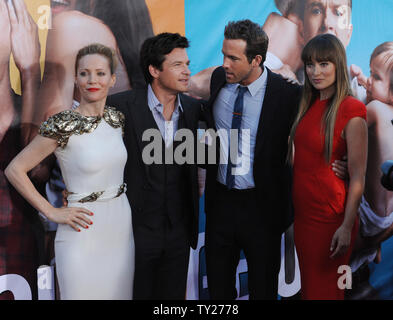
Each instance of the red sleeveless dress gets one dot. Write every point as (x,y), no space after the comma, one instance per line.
(319,198)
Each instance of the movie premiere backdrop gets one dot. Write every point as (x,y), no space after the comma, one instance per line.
(64,26)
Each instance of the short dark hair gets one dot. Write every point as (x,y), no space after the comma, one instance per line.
(251,32)
(154,49)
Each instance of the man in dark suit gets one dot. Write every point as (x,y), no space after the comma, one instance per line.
(163,196)
(248,210)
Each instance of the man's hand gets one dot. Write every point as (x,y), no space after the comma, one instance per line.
(340,168)
(287,74)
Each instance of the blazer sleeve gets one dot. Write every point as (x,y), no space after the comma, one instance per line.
(218,79)
(119,101)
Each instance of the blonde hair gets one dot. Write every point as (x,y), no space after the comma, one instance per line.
(98,48)
(386,49)
(325,47)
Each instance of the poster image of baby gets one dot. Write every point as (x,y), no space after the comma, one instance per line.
(376,208)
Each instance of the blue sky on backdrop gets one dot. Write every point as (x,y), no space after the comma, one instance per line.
(206,19)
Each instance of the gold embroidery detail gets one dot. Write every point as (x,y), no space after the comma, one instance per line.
(122,189)
(95,195)
(92,197)
(114,118)
(66,123)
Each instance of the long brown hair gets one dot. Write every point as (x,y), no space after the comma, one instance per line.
(325,47)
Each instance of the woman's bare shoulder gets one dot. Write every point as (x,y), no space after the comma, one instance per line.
(74,19)
(81,27)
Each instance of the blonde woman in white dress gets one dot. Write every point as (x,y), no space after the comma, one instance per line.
(94,243)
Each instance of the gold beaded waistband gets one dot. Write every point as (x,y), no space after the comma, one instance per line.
(109,193)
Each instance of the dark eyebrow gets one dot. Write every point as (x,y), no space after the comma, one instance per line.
(179,61)
(229,56)
(86,69)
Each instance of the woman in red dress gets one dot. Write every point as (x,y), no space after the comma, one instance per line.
(329,125)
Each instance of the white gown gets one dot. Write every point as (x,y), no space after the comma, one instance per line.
(98,262)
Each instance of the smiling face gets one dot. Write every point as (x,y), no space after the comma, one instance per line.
(378,84)
(58,6)
(322,75)
(327,16)
(174,74)
(94,77)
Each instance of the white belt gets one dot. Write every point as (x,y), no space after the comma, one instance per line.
(109,193)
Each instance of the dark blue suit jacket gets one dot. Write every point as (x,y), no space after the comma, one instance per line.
(272,175)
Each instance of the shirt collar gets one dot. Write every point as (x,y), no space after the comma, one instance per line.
(154,103)
(253,87)
(258,84)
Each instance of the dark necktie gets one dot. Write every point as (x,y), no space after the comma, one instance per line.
(236,122)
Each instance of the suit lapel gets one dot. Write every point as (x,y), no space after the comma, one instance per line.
(267,114)
(217,82)
(141,120)
(187,115)
(189,122)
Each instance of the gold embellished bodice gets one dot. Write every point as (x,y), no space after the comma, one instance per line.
(66,123)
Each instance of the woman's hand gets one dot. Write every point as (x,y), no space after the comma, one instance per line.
(340,242)
(4,36)
(73,216)
(24,36)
